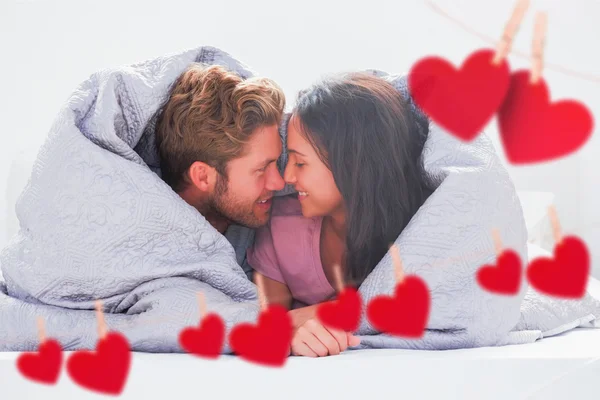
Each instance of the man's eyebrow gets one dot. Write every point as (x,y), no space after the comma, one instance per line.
(296,152)
(267,162)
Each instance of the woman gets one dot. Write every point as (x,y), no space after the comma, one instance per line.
(354,148)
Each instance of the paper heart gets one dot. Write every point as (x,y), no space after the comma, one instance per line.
(342,313)
(206,340)
(43,366)
(534,130)
(268,342)
(503,278)
(460,100)
(104,370)
(566,274)
(404,314)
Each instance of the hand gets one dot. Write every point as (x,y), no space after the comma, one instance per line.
(313,339)
(300,315)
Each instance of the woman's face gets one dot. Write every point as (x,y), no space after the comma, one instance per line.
(317,191)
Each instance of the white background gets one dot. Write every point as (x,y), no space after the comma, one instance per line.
(50,46)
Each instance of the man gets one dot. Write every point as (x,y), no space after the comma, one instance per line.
(218,142)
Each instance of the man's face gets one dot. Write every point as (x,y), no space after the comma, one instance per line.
(251,179)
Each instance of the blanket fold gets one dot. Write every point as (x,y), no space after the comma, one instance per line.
(97,222)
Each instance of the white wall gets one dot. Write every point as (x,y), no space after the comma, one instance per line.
(50,46)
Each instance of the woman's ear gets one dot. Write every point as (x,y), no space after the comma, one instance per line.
(202,176)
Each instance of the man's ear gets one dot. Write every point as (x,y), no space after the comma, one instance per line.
(202,176)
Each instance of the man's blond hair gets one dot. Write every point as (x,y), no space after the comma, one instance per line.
(209,117)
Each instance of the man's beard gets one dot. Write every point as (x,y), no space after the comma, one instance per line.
(225,205)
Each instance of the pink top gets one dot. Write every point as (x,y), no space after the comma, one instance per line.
(287,250)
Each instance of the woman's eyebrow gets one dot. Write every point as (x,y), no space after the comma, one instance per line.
(296,152)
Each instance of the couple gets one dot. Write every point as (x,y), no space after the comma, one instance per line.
(353,156)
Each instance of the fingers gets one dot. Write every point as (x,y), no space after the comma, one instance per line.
(340,336)
(323,336)
(313,339)
(303,335)
(352,340)
(299,348)
(316,344)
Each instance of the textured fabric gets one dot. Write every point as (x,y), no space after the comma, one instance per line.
(97,222)
(288,250)
(545,316)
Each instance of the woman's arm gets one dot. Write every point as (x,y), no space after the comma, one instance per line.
(276,292)
(300,315)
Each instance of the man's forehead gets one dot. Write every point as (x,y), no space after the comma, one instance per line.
(264,147)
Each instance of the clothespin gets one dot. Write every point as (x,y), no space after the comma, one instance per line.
(555,224)
(539,35)
(397,264)
(497,241)
(41,330)
(260,284)
(510,30)
(201,305)
(102,330)
(339,280)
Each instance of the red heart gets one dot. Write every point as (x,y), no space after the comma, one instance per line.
(206,340)
(404,314)
(564,276)
(104,370)
(266,343)
(342,313)
(533,130)
(43,366)
(504,278)
(464,100)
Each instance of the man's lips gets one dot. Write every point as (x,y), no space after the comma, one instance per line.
(268,199)
(266,204)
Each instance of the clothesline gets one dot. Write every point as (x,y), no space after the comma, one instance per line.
(494,42)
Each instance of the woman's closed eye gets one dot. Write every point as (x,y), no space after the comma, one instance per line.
(299,165)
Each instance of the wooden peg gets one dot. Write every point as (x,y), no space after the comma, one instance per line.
(260,284)
(201,305)
(497,241)
(555,224)
(41,329)
(397,263)
(100,318)
(539,35)
(339,280)
(510,30)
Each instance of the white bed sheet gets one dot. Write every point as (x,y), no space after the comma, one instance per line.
(562,367)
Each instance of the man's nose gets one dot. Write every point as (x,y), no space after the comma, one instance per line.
(275,181)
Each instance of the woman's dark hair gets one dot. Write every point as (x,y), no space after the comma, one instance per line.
(366,133)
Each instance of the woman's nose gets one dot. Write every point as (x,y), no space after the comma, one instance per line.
(288,175)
